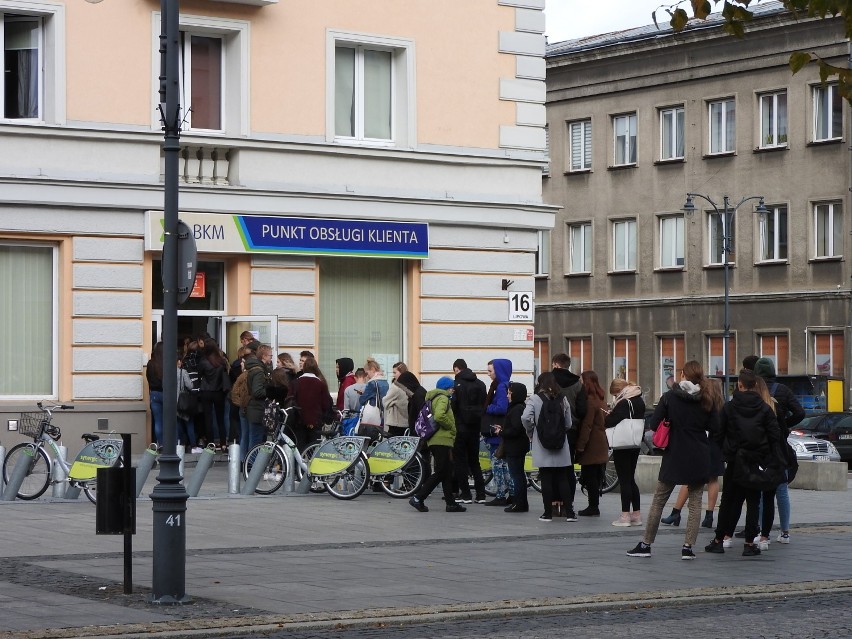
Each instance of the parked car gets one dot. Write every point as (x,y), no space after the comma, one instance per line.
(809,448)
(835,428)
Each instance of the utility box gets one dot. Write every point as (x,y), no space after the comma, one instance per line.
(115,512)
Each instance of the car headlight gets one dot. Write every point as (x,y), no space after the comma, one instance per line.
(832,450)
(797,446)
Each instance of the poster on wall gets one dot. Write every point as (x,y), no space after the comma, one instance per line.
(619,367)
(667,370)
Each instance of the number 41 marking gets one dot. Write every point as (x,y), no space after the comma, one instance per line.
(173,520)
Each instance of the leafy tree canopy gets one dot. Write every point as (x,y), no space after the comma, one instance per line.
(736,14)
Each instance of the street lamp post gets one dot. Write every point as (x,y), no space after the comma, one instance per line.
(727,215)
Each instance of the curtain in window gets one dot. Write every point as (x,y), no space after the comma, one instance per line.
(21,68)
(625,245)
(26,323)
(344,91)
(730,125)
(377,94)
(581,255)
(828,113)
(206,83)
(671,242)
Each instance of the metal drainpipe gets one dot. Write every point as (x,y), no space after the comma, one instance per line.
(848,336)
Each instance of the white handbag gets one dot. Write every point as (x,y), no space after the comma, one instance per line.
(627,433)
(371,414)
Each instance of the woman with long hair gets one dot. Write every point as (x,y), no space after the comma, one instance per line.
(553,464)
(154,376)
(314,402)
(592,445)
(692,409)
(214,384)
(628,404)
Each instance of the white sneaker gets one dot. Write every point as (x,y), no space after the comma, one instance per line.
(727,543)
(196,451)
(763,544)
(623,521)
(784,538)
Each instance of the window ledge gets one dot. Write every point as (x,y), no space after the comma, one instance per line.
(576,172)
(670,161)
(827,142)
(784,262)
(542,276)
(826,258)
(619,167)
(770,149)
(726,154)
(582,274)
(627,272)
(714,267)
(670,269)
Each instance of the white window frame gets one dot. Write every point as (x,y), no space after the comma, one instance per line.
(584,127)
(672,249)
(765,252)
(815,335)
(675,114)
(830,91)
(628,149)
(715,225)
(580,247)
(235,70)
(834,214)
(403,94)
(775,120)
(542,254)
(675,340)
(627,228)
(185,90)
(51,59)
(724,124)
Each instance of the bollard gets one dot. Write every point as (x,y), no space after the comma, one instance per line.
(146,463)
(60,477)
(2,462)
(261,461)
(234,469)
(205,461)
(180,451)
(304,486)
(19,473)
(290,479)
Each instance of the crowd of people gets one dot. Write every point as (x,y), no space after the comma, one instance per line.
(563,422)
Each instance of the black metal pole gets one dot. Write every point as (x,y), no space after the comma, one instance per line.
(726,332)
(169,495)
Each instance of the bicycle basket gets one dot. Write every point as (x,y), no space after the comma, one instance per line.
(29,424)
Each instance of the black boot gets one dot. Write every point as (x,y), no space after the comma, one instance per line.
(673,519)
(708,519)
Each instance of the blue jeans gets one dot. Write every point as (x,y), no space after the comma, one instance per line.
(503,486)
(519,479)
(186,432)
(157,415)
(250,435)
(767,517)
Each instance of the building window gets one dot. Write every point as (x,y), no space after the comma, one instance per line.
(624,131)
(716,250)
(580,352)
(671,242)
(723,126)
(828,113)
(828,230)
(773,234)
(672,351)
(28,276)
(22,89)
(624,358)
(580,145)
(624,245)
(776,346)
(716,355)
(363,93)
(671,133)
(773,120)
(828,354)
(542,254)
(581,248)
(202,60)
(541,360)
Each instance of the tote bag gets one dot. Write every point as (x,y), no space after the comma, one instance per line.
(627,433)
(371,414)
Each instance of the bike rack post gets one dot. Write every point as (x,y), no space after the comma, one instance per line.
(234,469)
(180,451)
(257,469)
(290,479)
(146,463)
(205,461)
(19,473)
(2,459)
(304,486)
(60,477)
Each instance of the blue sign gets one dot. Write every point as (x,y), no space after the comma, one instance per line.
(322,236)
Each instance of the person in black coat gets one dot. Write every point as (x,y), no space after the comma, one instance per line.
(748,425)
(415,403)
(628,403)
(692,410)
(516,444)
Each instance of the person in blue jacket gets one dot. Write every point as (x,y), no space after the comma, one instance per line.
(496,407)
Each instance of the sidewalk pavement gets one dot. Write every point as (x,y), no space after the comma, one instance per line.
(273,562)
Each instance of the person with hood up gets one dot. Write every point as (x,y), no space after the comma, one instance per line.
(441,446)
(516,444)
(345,369)
(496,407)
(692,409)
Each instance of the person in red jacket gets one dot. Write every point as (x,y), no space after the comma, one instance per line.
(314,402)
(346,377)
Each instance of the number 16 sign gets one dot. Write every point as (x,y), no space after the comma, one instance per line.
(520,306)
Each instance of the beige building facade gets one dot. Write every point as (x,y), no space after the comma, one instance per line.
(640,118)
(336,116)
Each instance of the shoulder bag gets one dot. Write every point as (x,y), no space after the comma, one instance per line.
(371,414)
(627,433)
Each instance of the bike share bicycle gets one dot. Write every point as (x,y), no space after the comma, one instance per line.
(81,473)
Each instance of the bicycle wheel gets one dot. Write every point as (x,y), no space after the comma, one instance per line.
(610,481)
(307,454)
(353,482)
(37,478)
(406,481)
(488,478)
(90,489)
(273,475)
(534,480)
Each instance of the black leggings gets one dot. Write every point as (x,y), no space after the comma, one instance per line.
(625,461)
(554,480)
(443,474)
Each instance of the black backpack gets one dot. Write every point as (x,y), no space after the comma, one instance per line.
(550,425)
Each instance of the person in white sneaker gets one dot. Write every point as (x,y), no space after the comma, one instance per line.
(628,402)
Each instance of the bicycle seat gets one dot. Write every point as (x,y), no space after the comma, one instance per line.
(90,437)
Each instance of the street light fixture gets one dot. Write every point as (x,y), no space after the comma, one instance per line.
(727,215)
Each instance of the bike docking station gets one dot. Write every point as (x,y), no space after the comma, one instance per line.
(146,463)
(115,511)
(19,473)
(205,462)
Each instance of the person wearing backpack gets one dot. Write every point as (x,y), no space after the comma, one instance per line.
(468,403)
(592,445)
(553,461)
(573,390)
(516,444)
(441,445)
(258,366)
